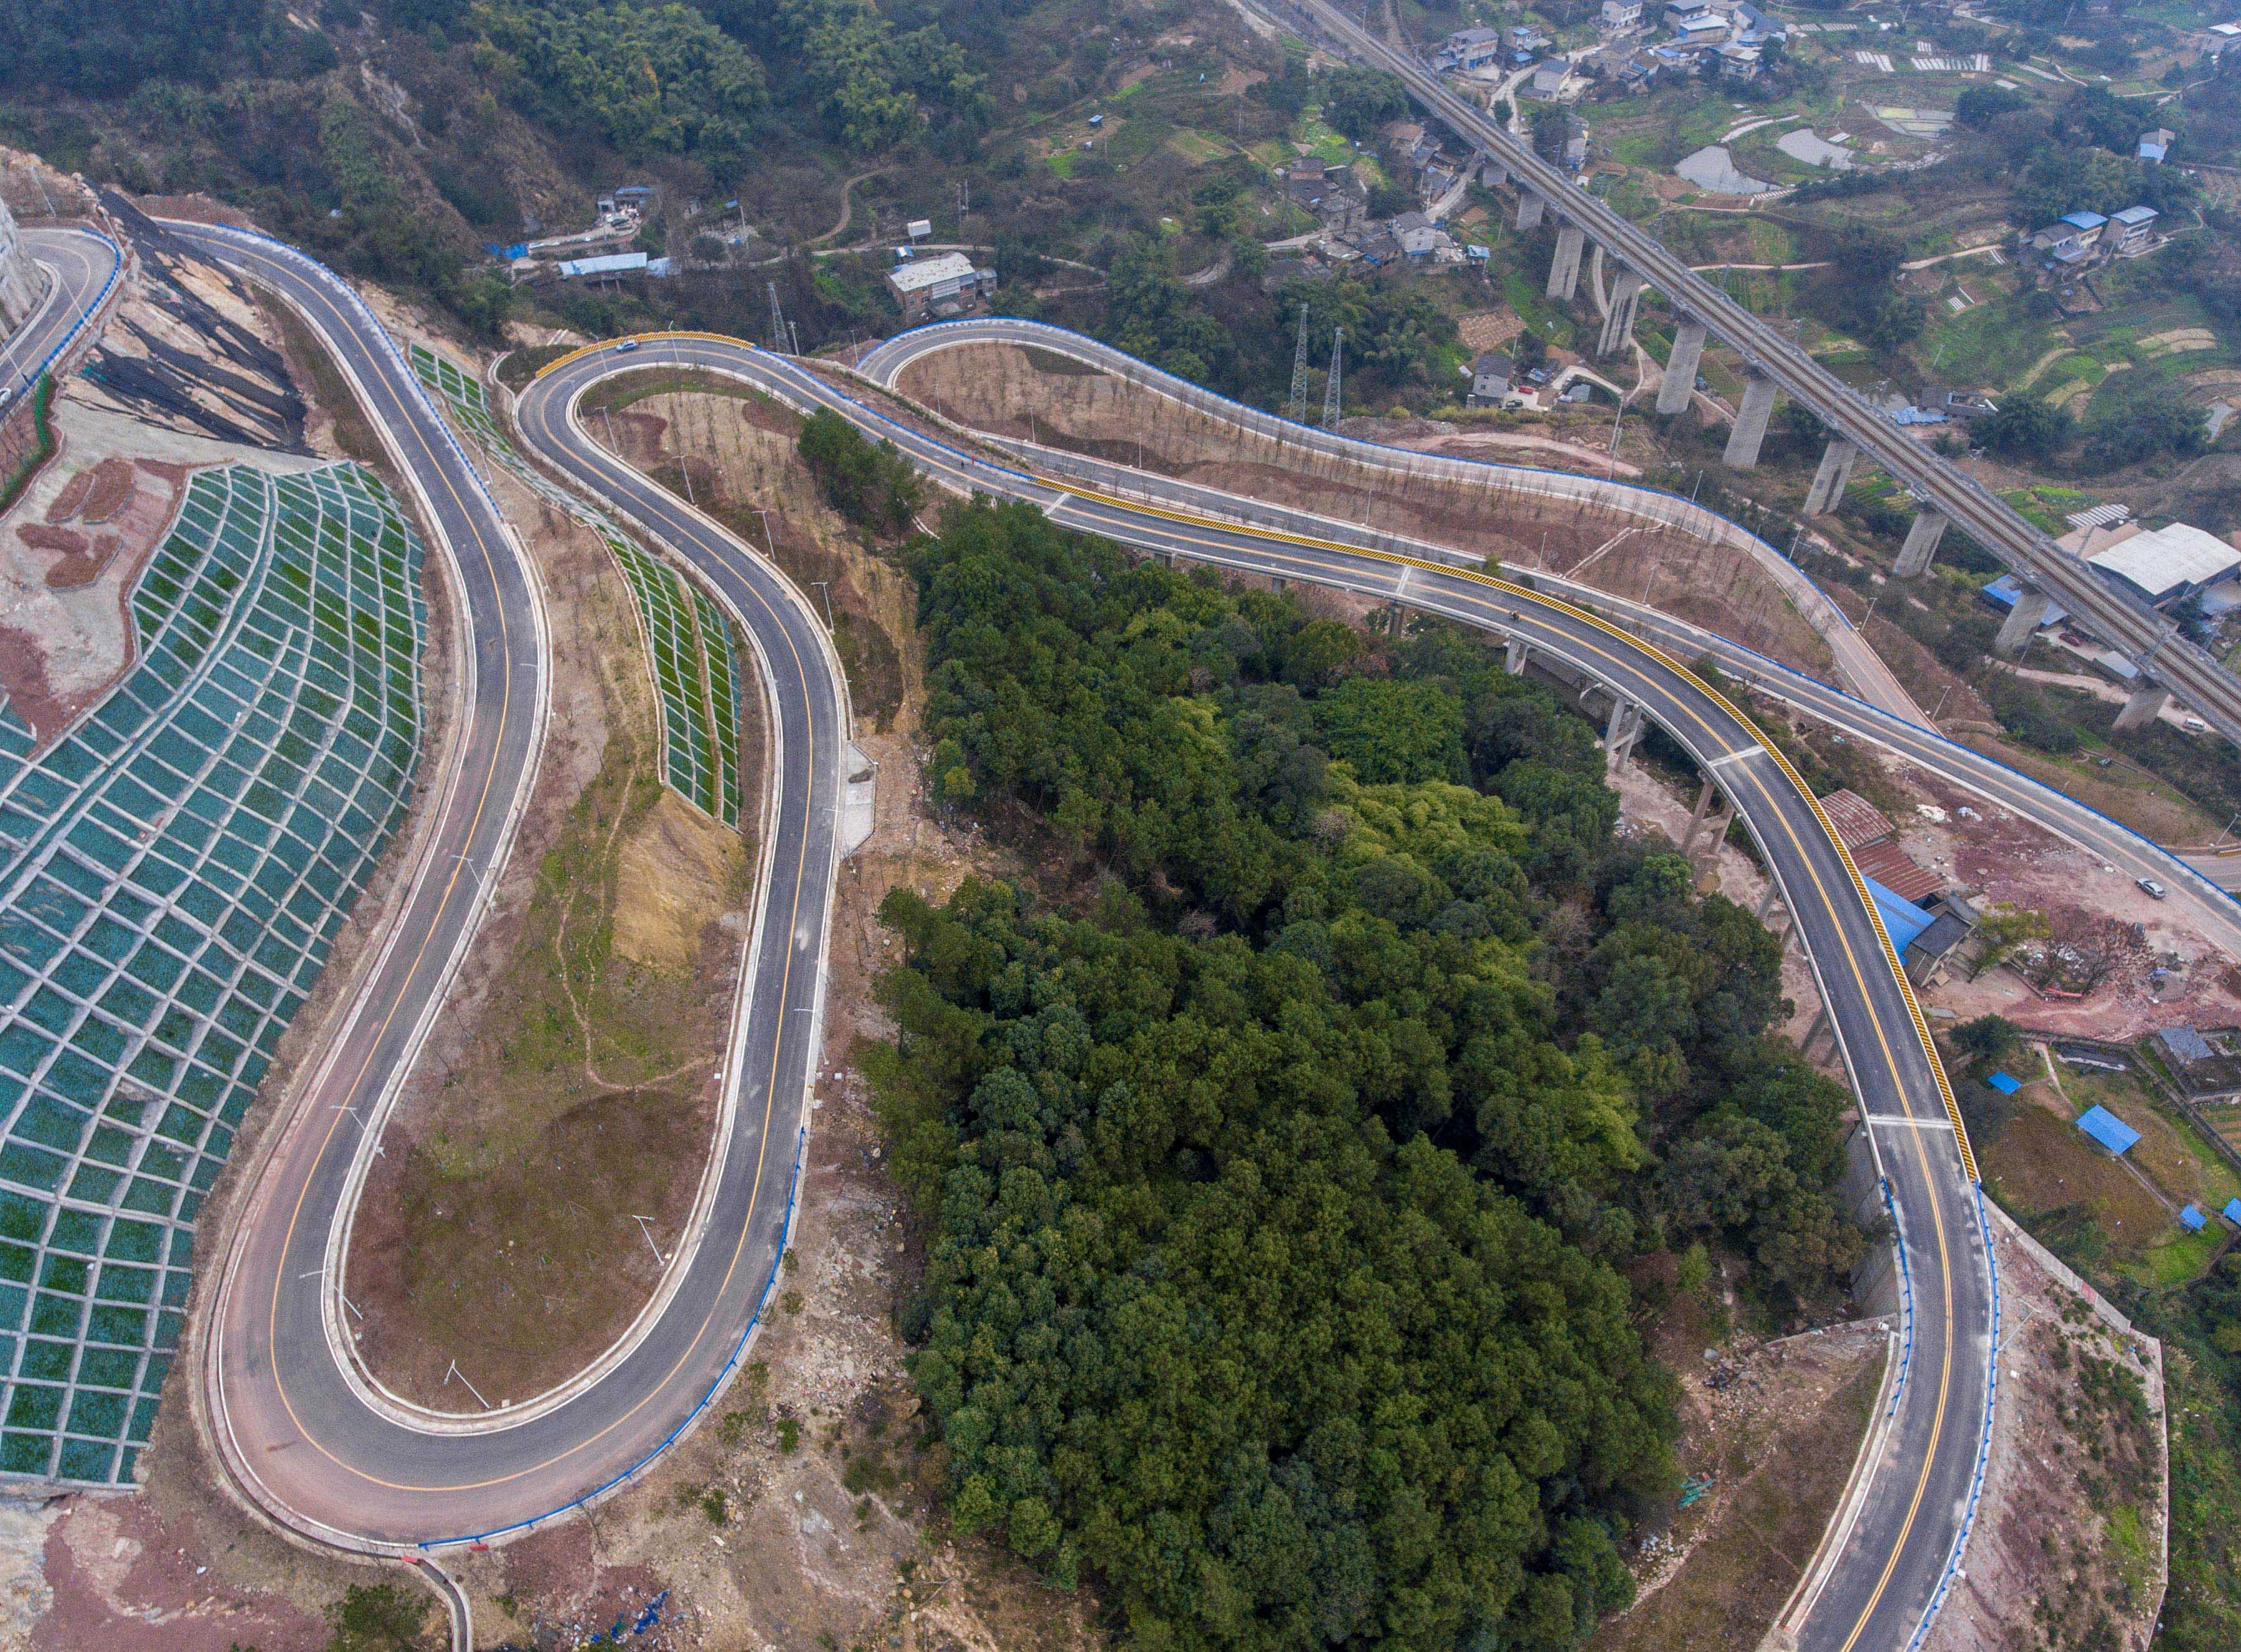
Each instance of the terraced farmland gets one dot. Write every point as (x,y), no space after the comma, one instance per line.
(173,871)
(688,641)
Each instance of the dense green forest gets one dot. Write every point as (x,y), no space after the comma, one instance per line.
(1284,1149)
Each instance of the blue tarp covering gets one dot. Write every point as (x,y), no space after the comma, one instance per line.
(2003,591)
(1902,919)
(2003,1083)
(2232,1212)
(2108,1129)
(2192,1219)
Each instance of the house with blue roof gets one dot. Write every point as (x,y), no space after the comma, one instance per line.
(2131,228)
(2072,242)
(2104,1127)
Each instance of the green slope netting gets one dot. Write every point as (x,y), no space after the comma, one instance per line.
(688,641)
(172,873)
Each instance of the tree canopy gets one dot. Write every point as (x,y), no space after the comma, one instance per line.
(1278,1178)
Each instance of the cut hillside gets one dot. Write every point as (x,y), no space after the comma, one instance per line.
(1035,395)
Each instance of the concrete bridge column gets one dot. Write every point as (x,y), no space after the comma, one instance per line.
(2146,705)
(1528,209)
(1680,382)
(1514,653)
(1564,269)
(1768,902)
(1829,480)
(1719,822)
(1625,303)
(1751,415)
(1914,556)
(2022,623)
(1620,732)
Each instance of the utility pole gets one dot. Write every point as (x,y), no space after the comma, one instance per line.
(1330,385)
(1300,371)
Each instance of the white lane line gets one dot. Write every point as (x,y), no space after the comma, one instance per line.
(1752,749)
(1905,1122)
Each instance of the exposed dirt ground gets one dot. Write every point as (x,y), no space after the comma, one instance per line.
(496,1248)
(1774,1428)
(2068,1548)
(1007,391)
(1998,857)
(73,544)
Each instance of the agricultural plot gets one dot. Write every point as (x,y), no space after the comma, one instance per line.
(172,875)
(689,646)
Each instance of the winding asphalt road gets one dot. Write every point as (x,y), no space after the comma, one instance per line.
(81,263)
(320,1450)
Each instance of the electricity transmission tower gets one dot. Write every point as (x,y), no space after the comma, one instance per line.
(777,319)
(1299,372)
(1330,386)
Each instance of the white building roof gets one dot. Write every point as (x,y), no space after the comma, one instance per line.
(921,273)
(2161,560)
(613,263)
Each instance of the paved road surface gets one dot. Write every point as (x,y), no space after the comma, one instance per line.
(1903,1537)
(316,1446)
(81,263)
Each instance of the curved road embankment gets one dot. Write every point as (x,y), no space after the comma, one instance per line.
(83,266)
(1858,664)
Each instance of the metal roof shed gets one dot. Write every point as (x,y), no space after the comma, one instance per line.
(2232,1212)
(2108,1130)
(2192,1220)
(2004,1084)
(1901,920)
(2167,560)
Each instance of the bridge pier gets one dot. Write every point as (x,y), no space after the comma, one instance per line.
(1530,207)
(1514,655)
(1914,556)
(1768,902)
(1719,822)
(2146,705)
(1564,269)
(1625,305)
(1751,415)
(1621,730)
(1395,619)
(1680,382)
(1829,482)
(2022,623)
